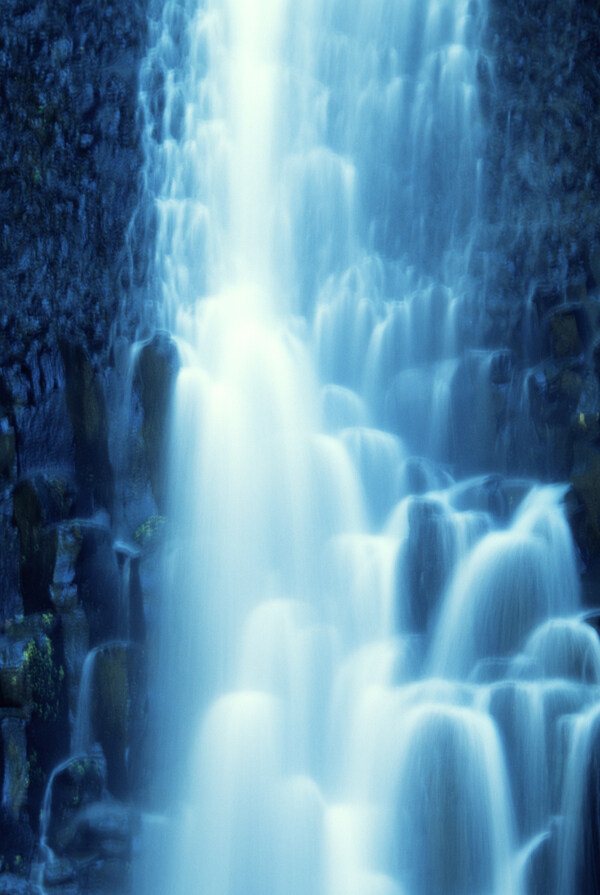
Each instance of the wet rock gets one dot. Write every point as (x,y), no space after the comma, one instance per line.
(426,561)
(86,592)
(87,410)
(593,620)
(501,367)
(110,876)
(45,675)
(86,573)
(98,584)
(568,330)
(75,785)
(477,410)
(11,603)
(10,884)
(132,599)
(15,691)
(38,502)
(16,768)
(545,297)
(107,829)
(98,845)
(8,453)
(156,372)
(491,494)
(17,844)
(587,857)
(32,657)
(594,263)
(58,872)
(586,419)
(118,711)
(585,477)
(44,435)
(419,475)
(576,290)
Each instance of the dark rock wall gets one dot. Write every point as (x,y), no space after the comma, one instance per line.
(540,94)
(69,165)
(78,515)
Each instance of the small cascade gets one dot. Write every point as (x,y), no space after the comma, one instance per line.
(369,675)
(82,736)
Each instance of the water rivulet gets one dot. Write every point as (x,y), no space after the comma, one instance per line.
(371,674)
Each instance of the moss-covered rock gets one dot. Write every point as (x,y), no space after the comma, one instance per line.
(118,711)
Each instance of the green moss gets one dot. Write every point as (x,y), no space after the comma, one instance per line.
(148,529)
(45,679)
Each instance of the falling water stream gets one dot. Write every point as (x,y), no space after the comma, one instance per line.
(371,677)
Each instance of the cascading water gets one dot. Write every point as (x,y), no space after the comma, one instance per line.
(364,668)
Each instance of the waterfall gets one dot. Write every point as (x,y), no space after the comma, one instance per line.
(358,688)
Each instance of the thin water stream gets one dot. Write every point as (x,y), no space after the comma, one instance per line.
(370,676)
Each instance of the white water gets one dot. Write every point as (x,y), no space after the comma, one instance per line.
(340,709)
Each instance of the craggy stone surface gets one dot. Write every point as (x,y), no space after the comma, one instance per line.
(69,165)
(72,283)
(540,94)
(540,91)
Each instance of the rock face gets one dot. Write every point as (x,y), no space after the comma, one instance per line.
(541,238)
(542,166)
(69,164)
(73,489)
